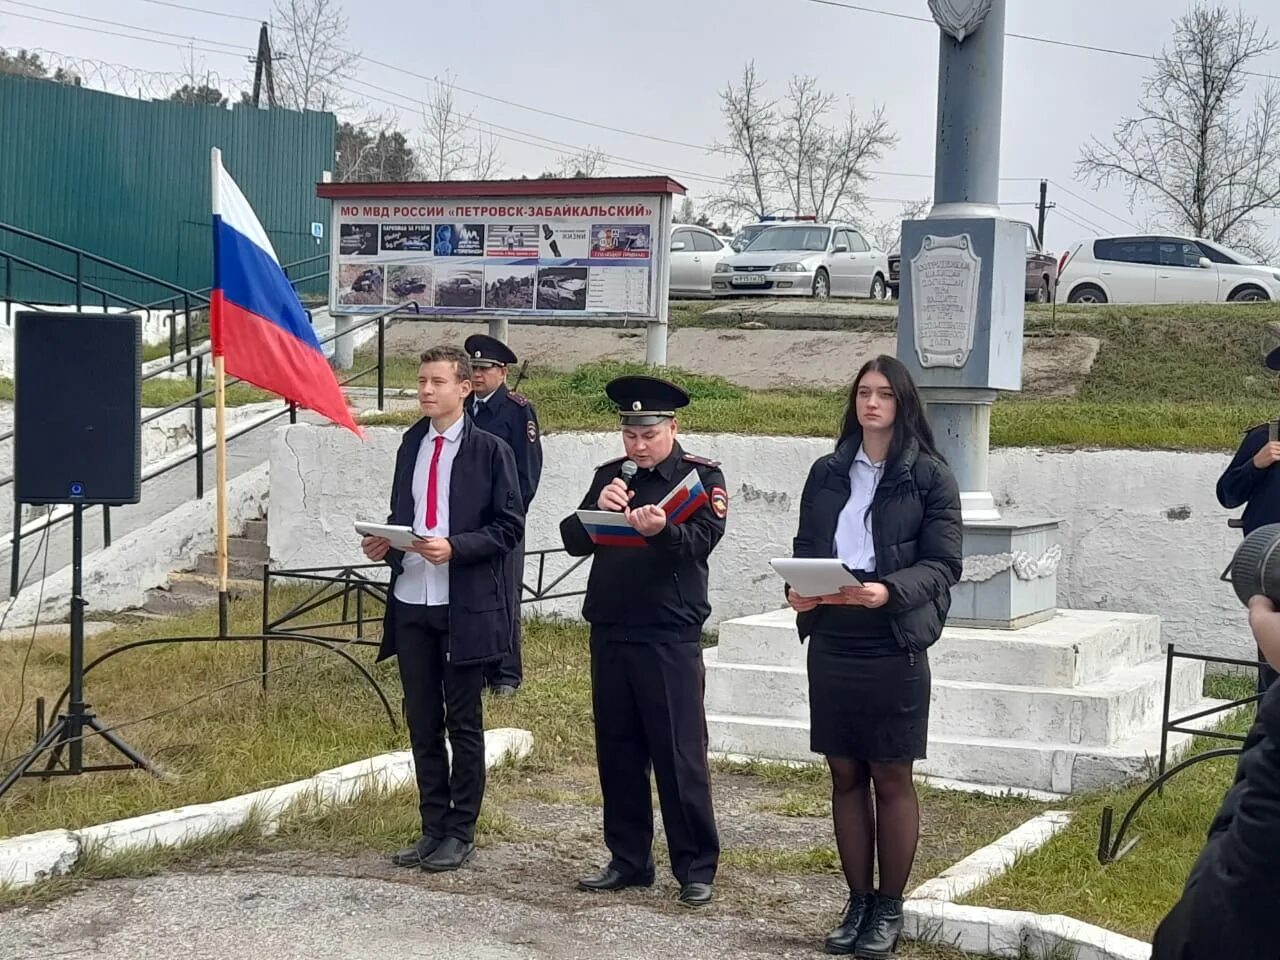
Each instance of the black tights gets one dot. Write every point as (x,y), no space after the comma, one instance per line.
(891,825)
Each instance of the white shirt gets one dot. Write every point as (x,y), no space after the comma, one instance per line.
(422,582)
(854,545)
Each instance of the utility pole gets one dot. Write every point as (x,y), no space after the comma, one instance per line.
(1044,208)
(263,67)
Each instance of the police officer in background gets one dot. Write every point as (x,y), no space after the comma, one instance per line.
(646,602)
(1252,480)
(511,416)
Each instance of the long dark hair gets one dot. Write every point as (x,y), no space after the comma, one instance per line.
(909,422)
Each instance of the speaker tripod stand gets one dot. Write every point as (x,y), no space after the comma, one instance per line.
(70,730)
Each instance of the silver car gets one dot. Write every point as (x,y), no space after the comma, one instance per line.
(817,260)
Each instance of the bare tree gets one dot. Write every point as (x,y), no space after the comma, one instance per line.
(485,161)
(751,119)
(886,234)
(790,158)
(840,164)
(312,62)
(1209,165)
(445,148)
(799,144)
(588,162)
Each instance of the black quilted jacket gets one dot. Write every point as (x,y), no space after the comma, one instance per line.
(915,521)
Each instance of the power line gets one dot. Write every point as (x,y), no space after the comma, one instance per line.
(211,13)
(112,33)
(705,148)
(1031,38)
(1081,218)
(113,23)
(1113,216)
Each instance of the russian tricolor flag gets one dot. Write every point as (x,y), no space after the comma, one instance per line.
(685,500)
(257,325)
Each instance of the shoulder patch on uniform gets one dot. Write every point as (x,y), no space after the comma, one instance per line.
(531,431)
(701,461)
(518,398)
(609,463)
(720,501)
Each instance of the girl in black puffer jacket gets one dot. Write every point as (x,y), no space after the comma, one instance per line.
(888,507)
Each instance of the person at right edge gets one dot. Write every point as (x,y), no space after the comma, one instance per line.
(1227,910)
(1253,481)
(646,603)
(887,506)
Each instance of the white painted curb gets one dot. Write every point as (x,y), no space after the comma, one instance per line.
(932,916)
(986,864)
(37,856)
(1009,933)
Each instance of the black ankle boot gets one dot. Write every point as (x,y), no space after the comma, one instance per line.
(845,937)
(880,935)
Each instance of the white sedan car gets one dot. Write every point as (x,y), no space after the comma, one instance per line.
(1162,269)
(817,260)
(695,252)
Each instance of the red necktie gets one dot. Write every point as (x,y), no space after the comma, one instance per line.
(431,483)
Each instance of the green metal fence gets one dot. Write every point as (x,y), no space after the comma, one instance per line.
(128,180)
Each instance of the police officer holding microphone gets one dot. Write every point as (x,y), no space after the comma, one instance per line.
(646,602)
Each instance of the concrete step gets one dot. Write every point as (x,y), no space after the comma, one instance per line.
(255,530)
(1054,767)
(191,591)
(1073,648)
(245,548)
(237,569)
(1100,713)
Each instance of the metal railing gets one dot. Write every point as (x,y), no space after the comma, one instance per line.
(179,302)
(197,401)
(182,306)
(1112,848)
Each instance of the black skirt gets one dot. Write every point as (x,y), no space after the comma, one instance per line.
(868,697)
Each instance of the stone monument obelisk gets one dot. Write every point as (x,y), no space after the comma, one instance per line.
(960,318)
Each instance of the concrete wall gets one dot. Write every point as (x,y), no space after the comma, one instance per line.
(1141,532)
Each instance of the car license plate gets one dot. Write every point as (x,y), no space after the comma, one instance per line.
(748,279)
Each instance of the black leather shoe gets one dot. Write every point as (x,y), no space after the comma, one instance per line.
(695,894)
(450,855)
(879,939)
(413,856)
(610,879)
(857,911)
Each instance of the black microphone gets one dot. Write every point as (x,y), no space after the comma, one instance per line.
(629,471)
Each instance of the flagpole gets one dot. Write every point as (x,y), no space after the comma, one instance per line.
(220,425)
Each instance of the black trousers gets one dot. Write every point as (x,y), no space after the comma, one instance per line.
(440,696)
(647,703)
(509,671)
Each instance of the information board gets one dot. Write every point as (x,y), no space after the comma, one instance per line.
(499,256)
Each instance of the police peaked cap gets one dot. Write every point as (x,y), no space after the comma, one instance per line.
(644,401)
(486,351)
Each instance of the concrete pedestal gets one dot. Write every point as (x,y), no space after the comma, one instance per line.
(1066,705)
(1010,577)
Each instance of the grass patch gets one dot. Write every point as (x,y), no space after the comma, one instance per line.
(1133,895)
(1167,377)
(316,714)
(782,861)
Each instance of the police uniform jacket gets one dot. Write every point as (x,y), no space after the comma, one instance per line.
(486,521)
(1243,483)
(511,416)
(634,594)
(1228,909)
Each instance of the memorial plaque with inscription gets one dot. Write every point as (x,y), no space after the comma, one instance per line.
(944,293)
